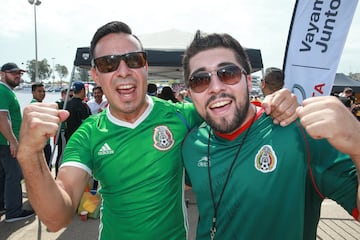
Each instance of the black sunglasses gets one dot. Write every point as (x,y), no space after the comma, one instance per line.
(229,75)
(110,63)
(15,72)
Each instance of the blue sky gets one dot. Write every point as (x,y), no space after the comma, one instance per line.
(64,25)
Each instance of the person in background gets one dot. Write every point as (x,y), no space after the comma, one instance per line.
(152,89)
(168,94)
(355,109)
(347,92)
(2,190)
(61,141)
(272,81)
(182,96)
(98,103)
(77,108)
(346,97)
(237,162)
(38,93)
(141,187)
(10,120)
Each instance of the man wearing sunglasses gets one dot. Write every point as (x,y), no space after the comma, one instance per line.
(248,174)
(10,120)
(133,148)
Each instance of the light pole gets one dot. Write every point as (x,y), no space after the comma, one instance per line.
(35,3)
(53,76)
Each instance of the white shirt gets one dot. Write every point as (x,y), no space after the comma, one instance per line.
(95,107)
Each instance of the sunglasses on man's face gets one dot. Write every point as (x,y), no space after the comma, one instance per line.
(15,72)
(110,63)
(229,75)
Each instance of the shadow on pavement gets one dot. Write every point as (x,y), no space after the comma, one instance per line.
(33,229)
(6,229)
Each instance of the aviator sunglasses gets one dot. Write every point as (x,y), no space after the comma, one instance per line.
(110,63)
(229,75)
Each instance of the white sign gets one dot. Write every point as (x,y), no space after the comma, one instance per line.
(316,40)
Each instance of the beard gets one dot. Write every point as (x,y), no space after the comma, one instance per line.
(11,83)
(226,125)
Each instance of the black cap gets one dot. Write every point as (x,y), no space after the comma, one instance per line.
(78,86)
(11,67)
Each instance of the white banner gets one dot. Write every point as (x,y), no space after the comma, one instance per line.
(316,40)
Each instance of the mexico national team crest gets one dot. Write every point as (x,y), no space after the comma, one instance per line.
(163,138)
(265,159)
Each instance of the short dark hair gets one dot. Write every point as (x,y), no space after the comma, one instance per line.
(348,90)
(274,78)
(108,28)
(203,41)
(97,87)
(35,85)
(152,89)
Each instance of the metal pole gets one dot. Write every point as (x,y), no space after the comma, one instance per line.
(36,51)
(64,107)
(53,75)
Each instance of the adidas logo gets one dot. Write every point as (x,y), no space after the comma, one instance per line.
(105,150)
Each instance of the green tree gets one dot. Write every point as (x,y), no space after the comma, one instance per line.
(62,71)
(355,76)
(44,69)
(83,74)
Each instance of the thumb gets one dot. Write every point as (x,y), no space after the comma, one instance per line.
(266,104)
(63,115)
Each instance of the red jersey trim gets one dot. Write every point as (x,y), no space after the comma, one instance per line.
(234,135)
(355,214)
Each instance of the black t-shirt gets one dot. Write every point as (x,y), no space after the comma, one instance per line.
(346,101)
(79,111)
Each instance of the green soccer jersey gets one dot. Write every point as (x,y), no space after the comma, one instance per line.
(264,197)
(340,186)
(10,104)
(139,168)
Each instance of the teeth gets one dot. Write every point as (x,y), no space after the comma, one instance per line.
(123,87)
(220,104)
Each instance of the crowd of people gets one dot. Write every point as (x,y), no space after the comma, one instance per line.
(138,144)
(168,93)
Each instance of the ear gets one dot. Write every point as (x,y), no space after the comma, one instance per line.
(95,76)
(188,93)
(249,82)
(263,84)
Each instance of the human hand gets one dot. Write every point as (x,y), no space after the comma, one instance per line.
(13,148)
(281,106)
(40,122)
(327,117)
